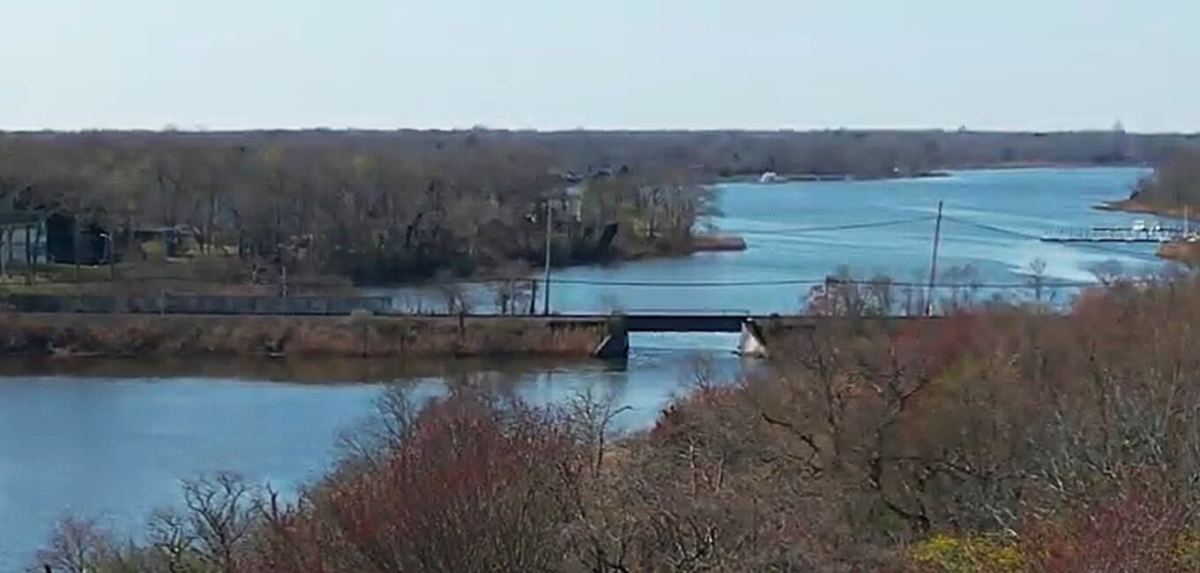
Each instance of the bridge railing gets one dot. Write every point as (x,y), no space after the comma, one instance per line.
(198,304)
(684,311)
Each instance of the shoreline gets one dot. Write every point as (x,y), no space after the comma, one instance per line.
(700,243)
(70,336)
(1178,251)
(937,173)
(1018,165)
(293,370)
(1135,206)
(828,178)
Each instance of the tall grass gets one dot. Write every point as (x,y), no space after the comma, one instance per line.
(123,335)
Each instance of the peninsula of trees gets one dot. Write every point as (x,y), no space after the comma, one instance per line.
(1173,186)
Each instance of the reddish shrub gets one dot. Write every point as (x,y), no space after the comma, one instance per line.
(1136,528)
(466,488)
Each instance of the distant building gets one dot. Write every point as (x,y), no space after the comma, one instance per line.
(66,244)
(176,241)
(573,201)
(22,239)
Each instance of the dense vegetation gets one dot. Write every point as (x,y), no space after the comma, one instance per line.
(347,206)
(1175,183)
(388,206)
(998,439)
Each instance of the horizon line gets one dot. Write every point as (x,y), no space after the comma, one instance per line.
(200,129)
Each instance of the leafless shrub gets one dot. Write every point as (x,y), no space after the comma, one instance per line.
(78,545)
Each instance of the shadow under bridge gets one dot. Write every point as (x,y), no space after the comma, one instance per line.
(616,344)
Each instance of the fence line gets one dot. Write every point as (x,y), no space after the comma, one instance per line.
(202,304)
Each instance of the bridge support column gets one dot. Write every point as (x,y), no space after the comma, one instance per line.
(752,343)
(616,343)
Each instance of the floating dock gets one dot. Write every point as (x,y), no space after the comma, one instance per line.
(1138,232)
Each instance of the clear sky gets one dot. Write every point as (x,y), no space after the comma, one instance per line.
(560,64)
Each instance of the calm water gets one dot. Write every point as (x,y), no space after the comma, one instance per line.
(108,443)
(772,219)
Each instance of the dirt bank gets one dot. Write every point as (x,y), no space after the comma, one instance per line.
(716,243)
(129,335)
(1135,206)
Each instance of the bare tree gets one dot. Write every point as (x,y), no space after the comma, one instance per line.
(220,517)
(77,545)
(592,417)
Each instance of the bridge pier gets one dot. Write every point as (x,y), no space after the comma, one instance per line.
(751,343)
(616,343)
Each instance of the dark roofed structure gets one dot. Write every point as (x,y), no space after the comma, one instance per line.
(22,240)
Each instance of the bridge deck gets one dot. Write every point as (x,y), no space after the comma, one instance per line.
(684,323)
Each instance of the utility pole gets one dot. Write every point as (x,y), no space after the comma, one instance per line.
(937,238)
(546,281)
(29,256)
(110,254)
(1186,231)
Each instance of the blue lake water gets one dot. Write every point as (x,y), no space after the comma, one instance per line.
(114,445)
(773,219)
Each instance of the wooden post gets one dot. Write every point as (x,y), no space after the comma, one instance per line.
(533,292)
(38,251)
(546,286)
(5,250)
(30,257)
(109,246)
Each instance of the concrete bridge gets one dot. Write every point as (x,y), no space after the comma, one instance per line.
(756,330)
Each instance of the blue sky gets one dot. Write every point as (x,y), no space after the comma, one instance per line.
(560,64)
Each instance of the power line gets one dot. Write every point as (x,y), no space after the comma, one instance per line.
(960,220)
(687,284)
(1024,235)
(993,228)
(831,280)
(821,281)
(822,229)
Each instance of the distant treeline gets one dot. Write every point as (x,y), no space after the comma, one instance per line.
(861,153)
(381,206)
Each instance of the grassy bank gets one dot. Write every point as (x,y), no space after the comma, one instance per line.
(103,335)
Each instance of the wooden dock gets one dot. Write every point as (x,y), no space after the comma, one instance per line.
(1137,233)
